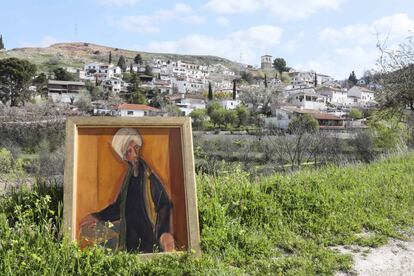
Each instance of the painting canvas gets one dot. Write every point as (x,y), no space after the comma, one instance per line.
(129,184)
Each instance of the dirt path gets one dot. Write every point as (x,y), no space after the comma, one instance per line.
(395,258)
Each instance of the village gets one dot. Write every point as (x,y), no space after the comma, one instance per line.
(186,87)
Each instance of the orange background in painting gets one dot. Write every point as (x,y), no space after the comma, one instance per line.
(100,172)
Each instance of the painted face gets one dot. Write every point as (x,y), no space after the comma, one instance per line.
(132,152)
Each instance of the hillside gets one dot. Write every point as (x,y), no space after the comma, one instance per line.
(277,225)
(76,54)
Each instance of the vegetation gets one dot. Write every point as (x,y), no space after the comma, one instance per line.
(355,114)
(138,59)
(279,225)
(1,42)
(122,63)
(279,64)
(63,75)
(352,80)
(15,78)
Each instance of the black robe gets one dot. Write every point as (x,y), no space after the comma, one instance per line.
(144,215)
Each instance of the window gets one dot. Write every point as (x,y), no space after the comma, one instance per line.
(130,112)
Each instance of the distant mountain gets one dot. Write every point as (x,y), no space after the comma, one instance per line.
(76,54)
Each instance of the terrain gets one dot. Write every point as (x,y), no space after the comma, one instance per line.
(77,54)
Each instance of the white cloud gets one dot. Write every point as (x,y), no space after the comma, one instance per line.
(45,42)
(353,47)
(341,61)
(298,9)
(250,42)
(260,36)
(285,9)
(149,23)
(222,21)
(394,28)
(117,2)
(232,6)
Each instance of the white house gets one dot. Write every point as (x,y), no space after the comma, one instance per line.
(102,71)
(308,100)
(187,103)
(335,96)
(230,104)
(138,110)
(360,96)
(114,84)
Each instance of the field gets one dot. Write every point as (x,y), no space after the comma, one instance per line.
(287,225)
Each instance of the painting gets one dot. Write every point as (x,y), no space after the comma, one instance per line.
(130,184)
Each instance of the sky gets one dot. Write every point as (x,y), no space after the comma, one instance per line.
(331,37)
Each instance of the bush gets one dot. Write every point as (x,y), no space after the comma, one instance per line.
(6,161)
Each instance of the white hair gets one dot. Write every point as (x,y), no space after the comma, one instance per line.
(122,138)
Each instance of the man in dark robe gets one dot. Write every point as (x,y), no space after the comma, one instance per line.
(142,207)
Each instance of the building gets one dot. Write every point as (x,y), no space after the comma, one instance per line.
(188,102)
(308,100)
(230,104)
(138,110)
(284,115)
(334,95)
(360,96)
(64,91)
(266,62)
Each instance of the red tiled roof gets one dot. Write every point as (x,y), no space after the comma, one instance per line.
(144,107)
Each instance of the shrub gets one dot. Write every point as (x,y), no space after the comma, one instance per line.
(6,161)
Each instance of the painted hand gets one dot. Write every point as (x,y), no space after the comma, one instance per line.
(167,242)
(88,221)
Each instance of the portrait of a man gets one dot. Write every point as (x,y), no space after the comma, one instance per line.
(139,219)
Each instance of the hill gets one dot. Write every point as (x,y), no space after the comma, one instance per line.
(76,54)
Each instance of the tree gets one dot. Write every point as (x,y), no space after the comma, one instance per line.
(316,80)
(198,117)
(148,70)
(355,114)
(300,145)
(63,75)
(265,80)
(280,65)
(131,68)
(352,80)
(15,78)
(234,90)
(210,92)
(122,63)
(261,99)
(110,57)
(247,77)
(230,117)
(397,77)
(218,116)
(138,59)
(242,115)
(41,83)
(302,124)
(1,42)
(135,92)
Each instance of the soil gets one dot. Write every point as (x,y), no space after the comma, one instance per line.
(395,258)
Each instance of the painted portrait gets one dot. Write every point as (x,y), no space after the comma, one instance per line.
(131,186)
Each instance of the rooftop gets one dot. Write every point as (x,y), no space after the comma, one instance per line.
(144,107)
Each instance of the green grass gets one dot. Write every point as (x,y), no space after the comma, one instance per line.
(283,225)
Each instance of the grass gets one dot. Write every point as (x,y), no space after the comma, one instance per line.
(284,225)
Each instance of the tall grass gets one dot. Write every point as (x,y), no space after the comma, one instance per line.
(283,225)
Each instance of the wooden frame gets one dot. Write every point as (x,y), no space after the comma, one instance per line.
(180,125)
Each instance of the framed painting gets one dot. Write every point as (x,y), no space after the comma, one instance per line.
(129,184)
